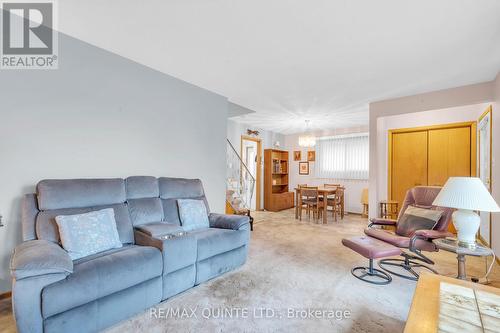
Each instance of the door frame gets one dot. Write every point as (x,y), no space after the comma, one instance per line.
(473,146)
(489,110)
(258,176)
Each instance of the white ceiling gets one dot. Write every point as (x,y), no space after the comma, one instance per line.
(291,60)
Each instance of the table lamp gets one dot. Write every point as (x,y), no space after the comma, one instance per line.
(466,194)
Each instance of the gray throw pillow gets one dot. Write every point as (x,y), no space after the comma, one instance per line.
(89,233)
(415,218)
(193,214)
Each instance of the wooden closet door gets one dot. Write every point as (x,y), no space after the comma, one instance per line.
(449,154)
(409,163)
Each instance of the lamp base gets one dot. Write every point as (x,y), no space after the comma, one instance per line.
(467,224)
(467,245)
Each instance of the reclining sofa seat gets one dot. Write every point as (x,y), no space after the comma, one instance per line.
(196,257)
(94,292)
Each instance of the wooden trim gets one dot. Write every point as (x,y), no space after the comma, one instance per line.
(389,165)
(258,176)
(432,127)
(473,149)
(471,124)
(481,240)
(6,295)
(489,110)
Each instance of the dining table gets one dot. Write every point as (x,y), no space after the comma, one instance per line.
(323,192)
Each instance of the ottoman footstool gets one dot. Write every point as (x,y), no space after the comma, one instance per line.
(371,248)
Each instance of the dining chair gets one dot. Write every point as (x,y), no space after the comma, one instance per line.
(337,203)
(330,196)
(309,197)
(331,186)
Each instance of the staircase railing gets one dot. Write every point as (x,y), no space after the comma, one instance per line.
(240,182)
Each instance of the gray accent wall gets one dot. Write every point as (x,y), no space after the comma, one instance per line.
(101,115)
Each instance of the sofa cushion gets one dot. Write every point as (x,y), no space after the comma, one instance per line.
(170,211)
(88,233)
(145,210)
(101,275)
(78,193)
(180,188)
(213,241)
(46,227)
(172,189)
(142,187)
(193,214)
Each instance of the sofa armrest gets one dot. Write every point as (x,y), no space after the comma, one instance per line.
(380,221)
(178,252)
(433,234)
(224,221)
(34,265)
(158,229)
(39,257)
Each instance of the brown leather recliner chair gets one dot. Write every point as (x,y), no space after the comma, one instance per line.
(418,241)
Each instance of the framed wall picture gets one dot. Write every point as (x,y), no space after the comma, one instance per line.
(311,156)
(303,168)
(297,156)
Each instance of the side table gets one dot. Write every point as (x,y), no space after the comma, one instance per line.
(451,245)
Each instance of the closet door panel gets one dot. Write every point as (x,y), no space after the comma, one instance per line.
(409,163)
(449,154)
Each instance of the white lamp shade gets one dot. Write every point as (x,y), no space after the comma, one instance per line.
(466,193)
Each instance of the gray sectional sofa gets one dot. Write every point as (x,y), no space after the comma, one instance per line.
(52,293)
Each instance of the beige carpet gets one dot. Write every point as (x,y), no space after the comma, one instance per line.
(294,265)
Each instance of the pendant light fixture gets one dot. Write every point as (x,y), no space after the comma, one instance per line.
(307,139)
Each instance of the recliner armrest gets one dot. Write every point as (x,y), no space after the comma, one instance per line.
(224,221)
(158,229)
(433,234)
(380,221)
(39,257)
(34,265)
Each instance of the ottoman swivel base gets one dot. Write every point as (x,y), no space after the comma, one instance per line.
(371,275)
(371,248)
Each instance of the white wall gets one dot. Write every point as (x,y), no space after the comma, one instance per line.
(434,100)
(100,115)
(416,119)
(445,106)
(353,187)
(234,132)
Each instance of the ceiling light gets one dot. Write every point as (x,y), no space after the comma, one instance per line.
(307,139)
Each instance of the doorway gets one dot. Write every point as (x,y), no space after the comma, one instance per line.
(251,151)
(484,129)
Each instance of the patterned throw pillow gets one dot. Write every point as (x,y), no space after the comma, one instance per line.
(415,218)
(89,233)
(193,214)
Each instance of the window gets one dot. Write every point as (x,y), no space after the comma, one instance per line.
(343,157)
